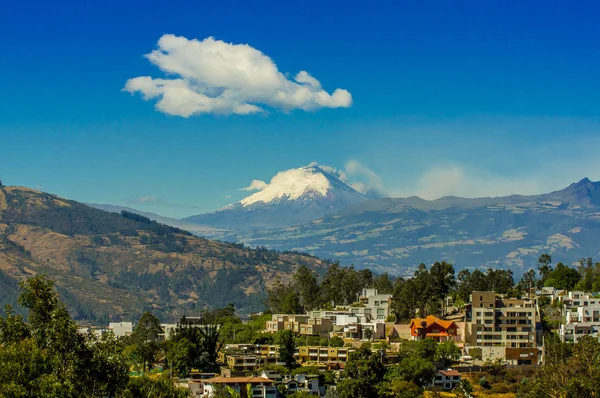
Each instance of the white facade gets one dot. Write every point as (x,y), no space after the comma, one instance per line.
(579,299)
(121,329)
(377,306)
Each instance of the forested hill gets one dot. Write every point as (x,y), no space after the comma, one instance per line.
(109,265)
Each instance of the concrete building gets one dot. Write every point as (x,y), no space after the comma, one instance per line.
(258,387)
(579,299)
(300,324)
(311,354)
(121,329)
(581,316)
(508,323)
(377,306)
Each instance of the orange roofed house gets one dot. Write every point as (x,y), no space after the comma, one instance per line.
(432,327)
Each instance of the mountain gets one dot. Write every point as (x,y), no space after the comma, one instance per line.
(292,197)
(397,234)
(112,266)
(195,228)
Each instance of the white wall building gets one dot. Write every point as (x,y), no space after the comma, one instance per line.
(121,329)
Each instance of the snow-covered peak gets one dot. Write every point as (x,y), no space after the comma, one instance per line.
(294,183)
(291,184)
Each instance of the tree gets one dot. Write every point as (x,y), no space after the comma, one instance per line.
(287,346)
(405,299)
(12,327)
(383,284)
(544,266)
(308,288)
(368,333)
(426,349)
(48,357)
(528,280)
(569,371)
(562,277)
(283,298)
(447,352)
(145,339)
(331,287)
(364,371)
(336,341)
(442,280)
(413,369)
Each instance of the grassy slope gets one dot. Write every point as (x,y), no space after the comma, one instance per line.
(109,265)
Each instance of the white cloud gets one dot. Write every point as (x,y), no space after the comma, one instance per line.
(255,185)
(211,76)
(365,180)
(145,200)
(457,180)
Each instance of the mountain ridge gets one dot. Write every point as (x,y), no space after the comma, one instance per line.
(115,266)
(293,196)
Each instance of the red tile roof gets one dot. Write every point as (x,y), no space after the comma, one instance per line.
(237,380)
(450,372)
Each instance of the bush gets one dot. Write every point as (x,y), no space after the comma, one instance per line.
(484,383)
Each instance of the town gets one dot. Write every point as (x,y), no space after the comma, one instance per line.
(279,354)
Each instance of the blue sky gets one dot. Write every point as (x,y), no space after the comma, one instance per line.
(467,98)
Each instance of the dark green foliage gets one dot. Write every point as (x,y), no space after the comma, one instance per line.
(383,283)
(336,342)
(364,372)
(497,280)
(447,352)
(287,345)
(47,357)
(146,387)
(426,292)
(145,339)
(562,277)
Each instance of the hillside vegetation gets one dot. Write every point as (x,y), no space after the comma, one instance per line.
(115,266)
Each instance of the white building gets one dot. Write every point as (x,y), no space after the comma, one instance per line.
(121,329)
(579,299)
(582,316)
(377,306)
(447,379)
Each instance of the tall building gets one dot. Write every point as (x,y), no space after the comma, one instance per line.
(503,328)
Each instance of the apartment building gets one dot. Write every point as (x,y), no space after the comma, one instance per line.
(376,306)
(299,324)
(508,323)
(579,299)
(581,316)
(314,354)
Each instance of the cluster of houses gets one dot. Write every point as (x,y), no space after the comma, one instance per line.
(489,328)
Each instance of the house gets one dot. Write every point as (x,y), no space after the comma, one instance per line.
(432,327)
(447,379)
(258,387)
(394,332)
(271,375)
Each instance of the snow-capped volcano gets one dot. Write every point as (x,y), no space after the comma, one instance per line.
(291,197)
